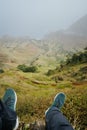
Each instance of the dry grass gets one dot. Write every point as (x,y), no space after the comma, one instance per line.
(35,97)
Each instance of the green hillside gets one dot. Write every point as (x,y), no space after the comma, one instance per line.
(36,91)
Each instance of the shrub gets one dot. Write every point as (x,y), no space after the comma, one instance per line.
(50,72)
(25,68)
(80,57)
(1,71)
(22,67)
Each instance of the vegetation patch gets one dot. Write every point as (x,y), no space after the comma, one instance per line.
(77,58)
(1,71)
(25,68)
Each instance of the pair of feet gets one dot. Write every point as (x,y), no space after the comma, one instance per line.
(10,99)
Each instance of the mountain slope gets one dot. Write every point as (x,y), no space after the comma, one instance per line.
(50,50)
(79,27)
(75,37)
(19,50)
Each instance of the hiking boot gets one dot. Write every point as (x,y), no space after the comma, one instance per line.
(10,99)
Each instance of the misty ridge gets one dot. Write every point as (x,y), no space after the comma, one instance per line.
(54,46)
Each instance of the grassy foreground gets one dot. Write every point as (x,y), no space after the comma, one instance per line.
(36,92)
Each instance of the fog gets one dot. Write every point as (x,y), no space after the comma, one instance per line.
(35,18)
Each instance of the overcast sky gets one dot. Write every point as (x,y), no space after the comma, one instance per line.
(35,18)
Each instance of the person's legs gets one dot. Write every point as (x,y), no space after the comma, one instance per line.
(10,100)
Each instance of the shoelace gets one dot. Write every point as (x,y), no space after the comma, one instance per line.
(10,102)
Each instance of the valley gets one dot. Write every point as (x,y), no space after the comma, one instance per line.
(39,69)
